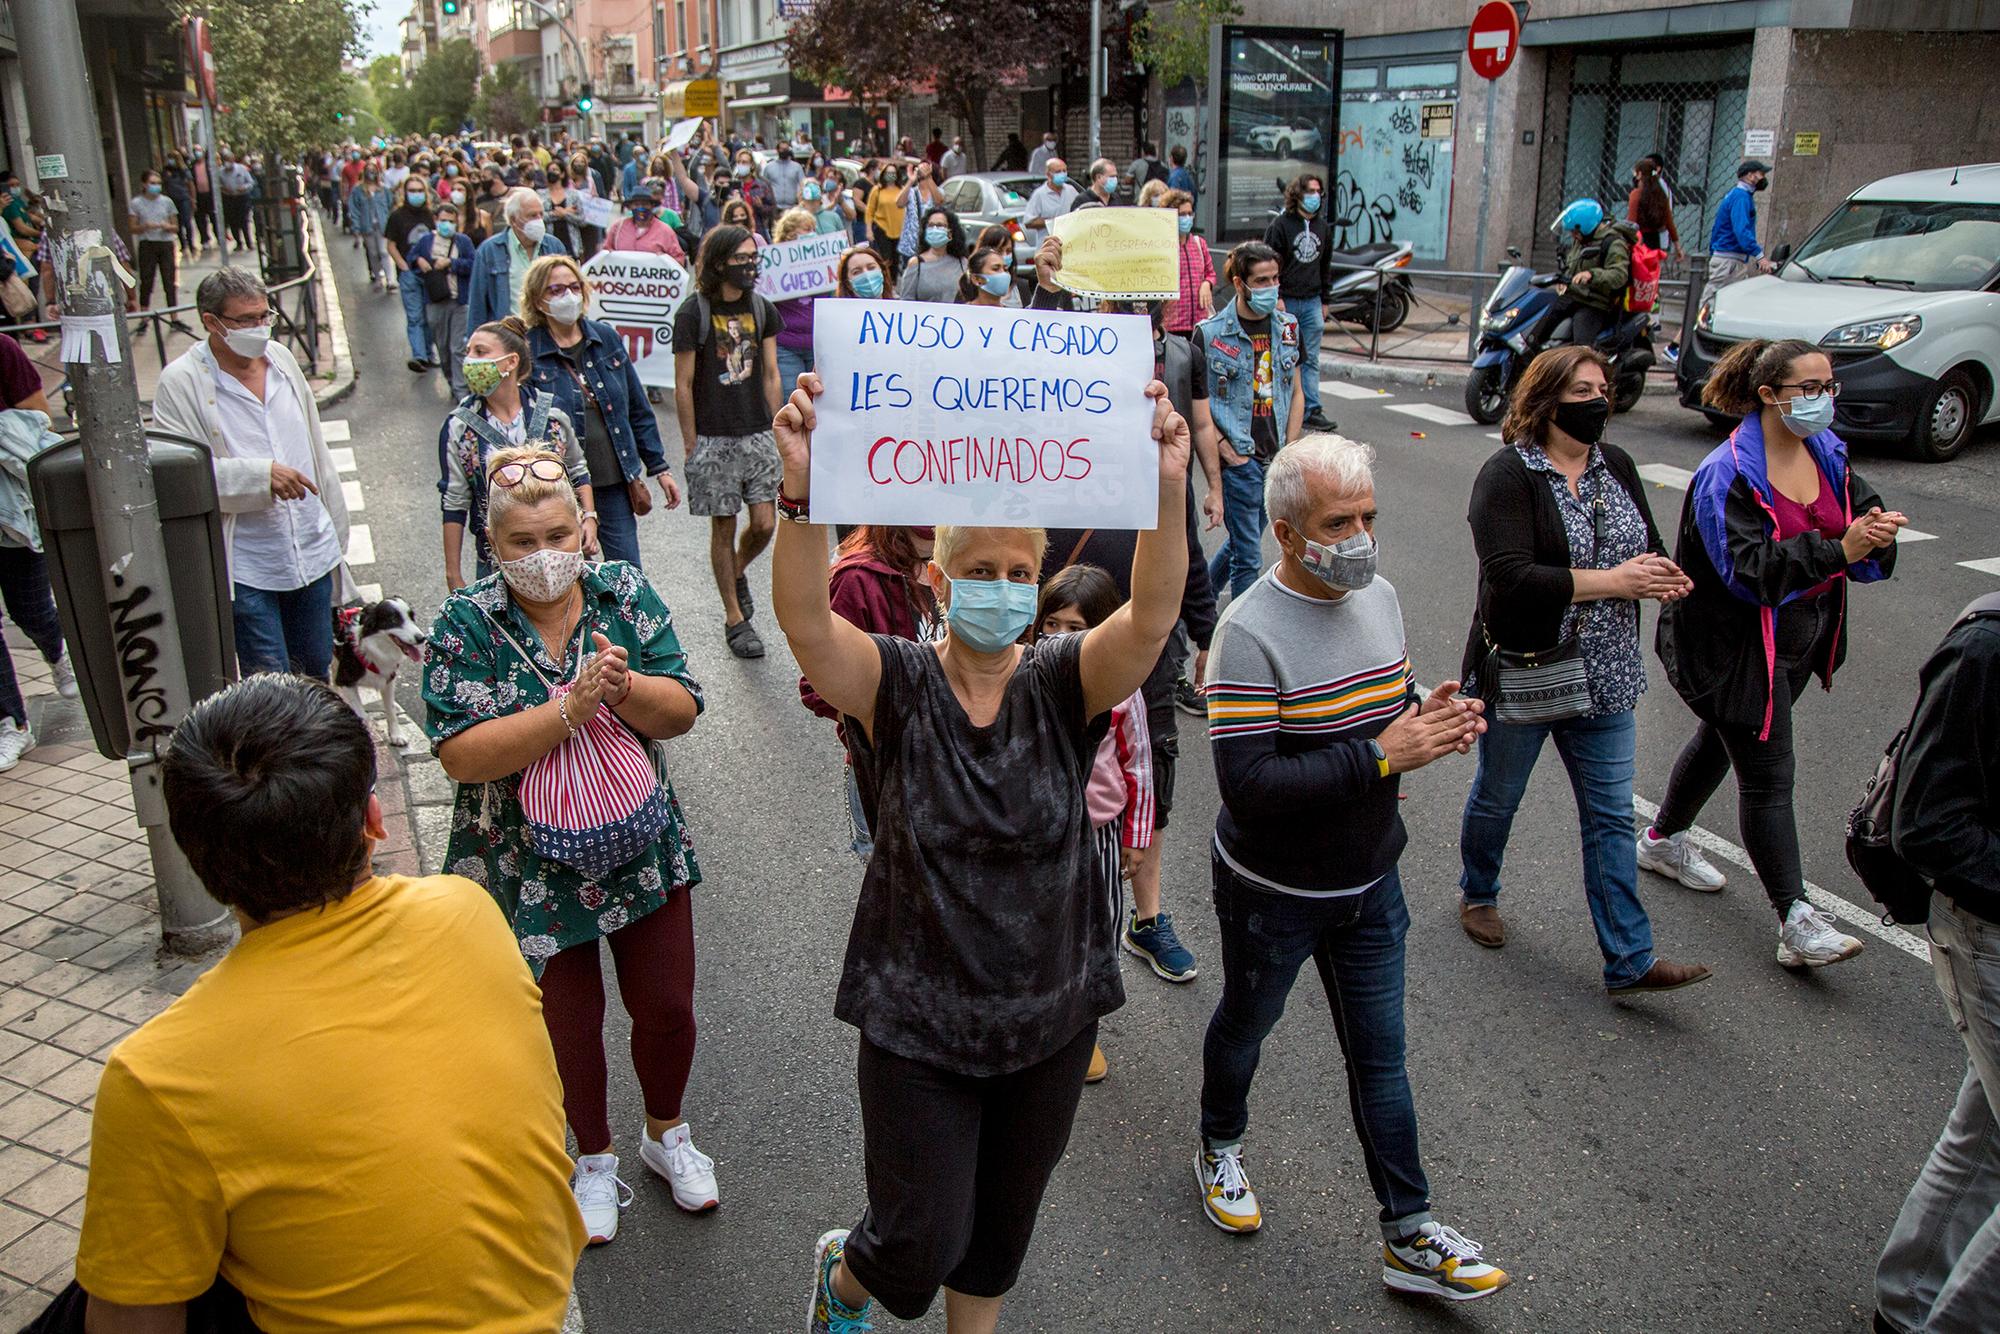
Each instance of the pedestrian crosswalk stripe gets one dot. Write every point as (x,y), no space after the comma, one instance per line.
(1666,474)
(1991,565)
(1495,435)
(369,592)
(336,432)
(352,490)
(343,459)
(1342,389)
(360,545)
(1432,412)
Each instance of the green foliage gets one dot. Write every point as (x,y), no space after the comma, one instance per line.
(506,105)
(279,68)
(1172,38)
(441,90)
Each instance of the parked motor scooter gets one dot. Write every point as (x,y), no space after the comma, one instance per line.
(1356,274)
(1506,331)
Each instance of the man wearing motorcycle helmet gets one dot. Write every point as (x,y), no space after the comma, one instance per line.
(1596,266)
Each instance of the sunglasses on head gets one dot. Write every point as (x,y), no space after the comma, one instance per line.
(513,474)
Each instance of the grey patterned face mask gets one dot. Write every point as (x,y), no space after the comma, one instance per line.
(1348,565)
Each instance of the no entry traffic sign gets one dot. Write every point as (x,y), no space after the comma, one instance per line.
(1493,38)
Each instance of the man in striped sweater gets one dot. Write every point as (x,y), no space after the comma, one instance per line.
(1313,715)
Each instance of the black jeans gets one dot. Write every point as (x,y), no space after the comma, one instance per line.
(24,587)
(1764,769)
(957,1166)
(1586,323)
(220,1310)
(157,257)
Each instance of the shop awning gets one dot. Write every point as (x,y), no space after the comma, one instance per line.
(775,100)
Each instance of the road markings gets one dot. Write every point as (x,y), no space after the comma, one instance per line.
(343,459)
(1342,389)
(1432,412)
(336,432)
(1862,919)
(369,592)
(351,489)
(1666,474)
(360,545)
(1991,565)
(1495,435)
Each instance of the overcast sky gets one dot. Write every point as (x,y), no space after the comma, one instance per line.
(382,28)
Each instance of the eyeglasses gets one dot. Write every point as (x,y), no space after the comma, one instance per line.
(245,321)
(542,470)
(561,289)
(1810,390)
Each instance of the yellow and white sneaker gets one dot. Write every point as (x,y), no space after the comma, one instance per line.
(1440,1262)
(1226,1196)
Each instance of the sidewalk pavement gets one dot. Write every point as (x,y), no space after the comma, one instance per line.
(81,964)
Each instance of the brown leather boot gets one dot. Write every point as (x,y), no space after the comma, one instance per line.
(1482,922)
(1665,975)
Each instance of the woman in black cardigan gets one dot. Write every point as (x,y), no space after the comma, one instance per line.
(1566,547)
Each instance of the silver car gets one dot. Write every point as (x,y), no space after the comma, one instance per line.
(984,198)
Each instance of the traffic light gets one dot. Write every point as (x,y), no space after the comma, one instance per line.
(584,101)
(449,8)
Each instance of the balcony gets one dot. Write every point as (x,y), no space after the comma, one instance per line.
(515,44)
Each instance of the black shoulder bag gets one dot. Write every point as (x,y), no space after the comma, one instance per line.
(1549,685)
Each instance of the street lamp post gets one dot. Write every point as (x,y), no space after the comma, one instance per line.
(1096,79)
(575,49)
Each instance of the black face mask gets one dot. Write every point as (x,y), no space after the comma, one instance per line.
(1762,185)
(1583,421)
(744,275)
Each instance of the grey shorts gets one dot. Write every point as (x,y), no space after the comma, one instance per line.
(728,471)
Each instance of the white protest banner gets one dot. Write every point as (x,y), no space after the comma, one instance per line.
(596,212)
(982,415)
(682,133)
(1120,253)
(804,267)
(637,294)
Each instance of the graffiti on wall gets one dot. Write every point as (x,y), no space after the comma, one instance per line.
(1391,183)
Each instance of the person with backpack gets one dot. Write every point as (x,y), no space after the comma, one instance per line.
(1651,207)
(1940,1270)
(1596,269)
(726,365)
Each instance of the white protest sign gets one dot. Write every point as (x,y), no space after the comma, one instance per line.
(982,415)
(682,133)
(637,294)
(804,267)
(596,212)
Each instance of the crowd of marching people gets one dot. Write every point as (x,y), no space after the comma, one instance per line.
(1005,702)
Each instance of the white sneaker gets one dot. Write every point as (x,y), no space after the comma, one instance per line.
(1679,859)
(687,1169)
(64,673)
(1226,1196)
(599,1195)
(14,743)
(1809,939)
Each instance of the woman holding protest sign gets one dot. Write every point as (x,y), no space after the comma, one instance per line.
(795,334)
(969,1074)
(582,364)
(933,272)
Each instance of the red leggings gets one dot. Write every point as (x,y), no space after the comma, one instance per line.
(655,961)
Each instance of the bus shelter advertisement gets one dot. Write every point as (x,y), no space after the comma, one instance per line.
(1277,116)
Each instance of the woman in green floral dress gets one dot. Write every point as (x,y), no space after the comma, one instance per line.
(603,635)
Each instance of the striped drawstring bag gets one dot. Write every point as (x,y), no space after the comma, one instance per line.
(596,801)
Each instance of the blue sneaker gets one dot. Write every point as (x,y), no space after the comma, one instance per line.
(826,1313)
(1154,941)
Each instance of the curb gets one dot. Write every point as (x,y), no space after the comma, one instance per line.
(336,325)
(1426,374)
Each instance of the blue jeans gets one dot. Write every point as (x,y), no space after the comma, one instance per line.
(617,526)
(1357,943)
(24,587)
(285,632)
(792,363)
(1598,752)
(1940,1271)
(410,286)
(1242,556)
(1306,310)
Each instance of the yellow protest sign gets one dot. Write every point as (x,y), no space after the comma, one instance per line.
(1125,254)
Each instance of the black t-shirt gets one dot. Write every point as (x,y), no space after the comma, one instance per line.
(1263,418)
(728,367)
(982,941)
(406,224)
(592,433)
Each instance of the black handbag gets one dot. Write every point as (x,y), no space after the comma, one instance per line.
(1546,686)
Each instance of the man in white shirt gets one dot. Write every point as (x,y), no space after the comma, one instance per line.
(1038,160)
(237,183)
(1051,199)
(285,519)
(953,162)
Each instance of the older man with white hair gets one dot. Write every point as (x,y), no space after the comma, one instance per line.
(500,265)
(1313,715)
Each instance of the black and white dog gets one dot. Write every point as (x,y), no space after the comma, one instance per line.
(370,643)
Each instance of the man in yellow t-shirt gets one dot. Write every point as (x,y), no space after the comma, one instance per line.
(354,1118)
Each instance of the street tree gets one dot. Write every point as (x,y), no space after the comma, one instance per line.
(506,104)
(1171,40)
(443,87)
(278,68)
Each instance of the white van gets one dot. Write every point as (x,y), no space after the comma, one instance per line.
(1901,287)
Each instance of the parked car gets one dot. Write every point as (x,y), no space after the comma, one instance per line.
(982,198)
(1286,139)
(1901,287)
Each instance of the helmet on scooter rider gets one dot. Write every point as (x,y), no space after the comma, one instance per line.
(1582,216)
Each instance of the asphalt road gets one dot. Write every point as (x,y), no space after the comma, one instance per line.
(1727,1158)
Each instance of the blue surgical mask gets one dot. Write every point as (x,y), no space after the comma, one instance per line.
(152,187)
(867,284)
(938,237)
(996,284)
(1186,223)
(1059,180)
(1804,416)
(986,615)
(446,228)
(1348,566)
(1310,203)
(1263,300)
